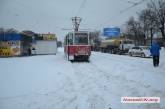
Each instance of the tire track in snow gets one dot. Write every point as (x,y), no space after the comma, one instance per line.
(87,87)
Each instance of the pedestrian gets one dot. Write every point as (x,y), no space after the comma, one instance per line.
(155,52)
(29,51)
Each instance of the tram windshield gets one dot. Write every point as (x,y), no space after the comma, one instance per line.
(81,38)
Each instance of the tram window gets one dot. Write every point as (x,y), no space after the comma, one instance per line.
(81,40)
(65,42)
(70,39)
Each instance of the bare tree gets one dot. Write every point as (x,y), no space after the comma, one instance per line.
(135,30)
(151,20)
(11,30)
(158,8)
(148,22)
(95,40)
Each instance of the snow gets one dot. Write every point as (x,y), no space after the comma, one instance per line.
(52,82)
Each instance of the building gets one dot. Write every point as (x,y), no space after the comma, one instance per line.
(13,43)
(10,44)
(45,44)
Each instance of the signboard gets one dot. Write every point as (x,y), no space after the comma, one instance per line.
(46,37)
(10,48)
(4,51)
(111,32)
(49,37)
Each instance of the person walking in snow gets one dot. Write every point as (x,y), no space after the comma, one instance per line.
(155,52)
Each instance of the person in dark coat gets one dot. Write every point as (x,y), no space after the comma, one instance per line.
(29,51)
(155,52)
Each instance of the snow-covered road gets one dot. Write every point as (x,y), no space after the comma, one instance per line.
(52,82)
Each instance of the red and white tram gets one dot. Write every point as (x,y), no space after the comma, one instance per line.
(77,46)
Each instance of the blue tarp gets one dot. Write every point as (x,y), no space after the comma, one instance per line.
(10,37)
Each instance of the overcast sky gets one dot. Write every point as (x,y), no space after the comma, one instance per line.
(44,16)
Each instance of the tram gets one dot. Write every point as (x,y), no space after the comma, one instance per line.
(77,46)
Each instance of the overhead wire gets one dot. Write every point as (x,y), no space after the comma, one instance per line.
(81,7)
(123,11)
(25,6)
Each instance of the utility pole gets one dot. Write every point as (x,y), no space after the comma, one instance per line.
(76,22)
(4,34)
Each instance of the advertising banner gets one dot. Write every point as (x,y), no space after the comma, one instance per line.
(111,32)
(46,37)
(10,48)
(49,37)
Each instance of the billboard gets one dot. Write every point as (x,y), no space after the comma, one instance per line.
(111,32)
(10,48)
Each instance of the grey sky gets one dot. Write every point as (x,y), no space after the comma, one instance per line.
(52,15)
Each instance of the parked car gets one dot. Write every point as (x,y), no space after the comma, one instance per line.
(142,51)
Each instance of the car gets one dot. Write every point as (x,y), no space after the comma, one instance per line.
(142,51)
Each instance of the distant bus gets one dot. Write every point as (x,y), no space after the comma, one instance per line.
(77,46)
